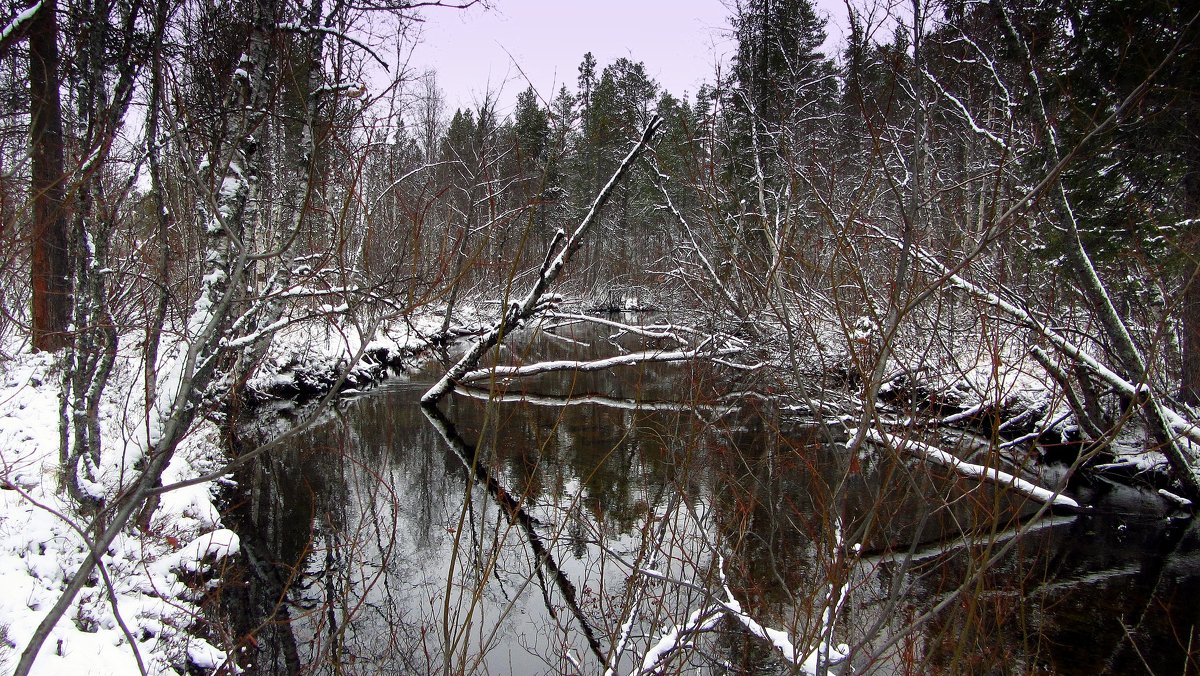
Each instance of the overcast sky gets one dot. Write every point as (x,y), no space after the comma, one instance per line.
(476,51)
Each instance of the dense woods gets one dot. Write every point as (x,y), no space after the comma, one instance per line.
(964,193)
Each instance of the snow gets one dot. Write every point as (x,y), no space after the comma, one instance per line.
(864,328)
(211,546)
(306,355)
(41,545)
(1177,500)
(595,365)
(945,459)
(676,637)
(152,569)
(21,17)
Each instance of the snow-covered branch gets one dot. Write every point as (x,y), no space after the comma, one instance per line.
(18,23)
(709,269)
(965,113)
(648,356)
(964,468)
(521,311)
(679,636)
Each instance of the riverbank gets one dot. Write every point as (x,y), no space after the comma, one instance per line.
(143,610)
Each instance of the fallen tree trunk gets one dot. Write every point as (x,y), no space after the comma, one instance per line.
(940,457)
(525,309)
(595,364)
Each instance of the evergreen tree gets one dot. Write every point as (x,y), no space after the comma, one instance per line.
(1138,184)
(778,61)
(586,81)
(563,117)
(531,132)
(781,99)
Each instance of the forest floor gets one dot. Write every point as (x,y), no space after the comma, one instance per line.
(141,611)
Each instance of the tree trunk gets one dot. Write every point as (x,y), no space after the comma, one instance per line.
(49,265)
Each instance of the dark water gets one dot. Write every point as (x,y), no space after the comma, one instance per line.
(535,527)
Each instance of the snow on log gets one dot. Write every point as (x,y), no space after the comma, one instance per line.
(663,331)
(594,365)
(486,394)
(1178,500)
(964,468)
(525,309)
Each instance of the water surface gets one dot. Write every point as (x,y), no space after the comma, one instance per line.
(565,523)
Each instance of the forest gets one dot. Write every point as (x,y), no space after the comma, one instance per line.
(967,236)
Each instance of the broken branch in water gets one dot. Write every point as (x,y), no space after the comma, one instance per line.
(527,308)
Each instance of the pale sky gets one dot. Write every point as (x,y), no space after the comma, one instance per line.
(476,51)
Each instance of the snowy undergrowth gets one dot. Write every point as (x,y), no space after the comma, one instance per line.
(41,544)
(158,573)
(974,380)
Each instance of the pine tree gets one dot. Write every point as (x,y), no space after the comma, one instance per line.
(778,61)
(531,132)
(1137,186)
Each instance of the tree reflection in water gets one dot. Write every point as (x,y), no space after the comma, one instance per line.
(514,533)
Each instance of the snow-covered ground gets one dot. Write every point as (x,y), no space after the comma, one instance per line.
(41,542)
(143,606)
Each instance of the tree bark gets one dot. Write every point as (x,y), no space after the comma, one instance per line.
(49,263)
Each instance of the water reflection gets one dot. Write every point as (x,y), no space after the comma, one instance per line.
(509,534)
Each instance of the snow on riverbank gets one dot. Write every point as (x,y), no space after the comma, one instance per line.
(142,612)
(41,542)
(306,359)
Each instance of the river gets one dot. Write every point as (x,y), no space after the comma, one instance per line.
(567,523)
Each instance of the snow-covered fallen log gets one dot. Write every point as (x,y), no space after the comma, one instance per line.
(625,404)
(964,468)
(530,305)
(595,364)
(660,331)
